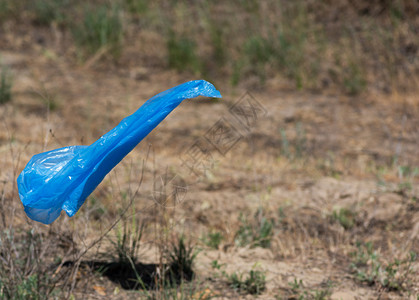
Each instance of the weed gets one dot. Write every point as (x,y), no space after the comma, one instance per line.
(96,209)
(300,145)
(250,5)
(216,265)
(293,39)
(218,43)
(181,258)
(322,294)
(101,29)
(354,79)
(213,239)
(257,232)
(128,237)
(32,287)
(299,291)
(296,285)
(11,10)
(49,100)
(258,49)
(285,145)
(49,11)
(289,45)
(406,176)
(368,268)
(182,53)
(345,217)
(363,254)
(290,57)
(328,166)
(294,148)
(24,268)
(257,52)
(254,283)
(237,72)
(136,6)
(4,10)
(5,86)
(183,291)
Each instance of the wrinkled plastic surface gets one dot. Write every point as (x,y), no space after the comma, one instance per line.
(62,179)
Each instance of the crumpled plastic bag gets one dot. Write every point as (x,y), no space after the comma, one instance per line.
(62,179)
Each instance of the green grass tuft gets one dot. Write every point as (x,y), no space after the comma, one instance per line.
(181,258)
(128,240)
(345,217)
(49,11)
(101,29)
(5,86)
(368,268)
(254,283)
(213,239)
(256,232)
(182,54)
(136,6)
(354,80)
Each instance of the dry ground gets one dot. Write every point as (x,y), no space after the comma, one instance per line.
(309,156)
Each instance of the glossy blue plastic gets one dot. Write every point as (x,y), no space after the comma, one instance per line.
(62,179)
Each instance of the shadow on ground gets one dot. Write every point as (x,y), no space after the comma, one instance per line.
(143,276)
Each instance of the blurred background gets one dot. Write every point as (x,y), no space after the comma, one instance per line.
(316,197)
(345,46)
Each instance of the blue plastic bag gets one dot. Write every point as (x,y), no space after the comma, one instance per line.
(62,179)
